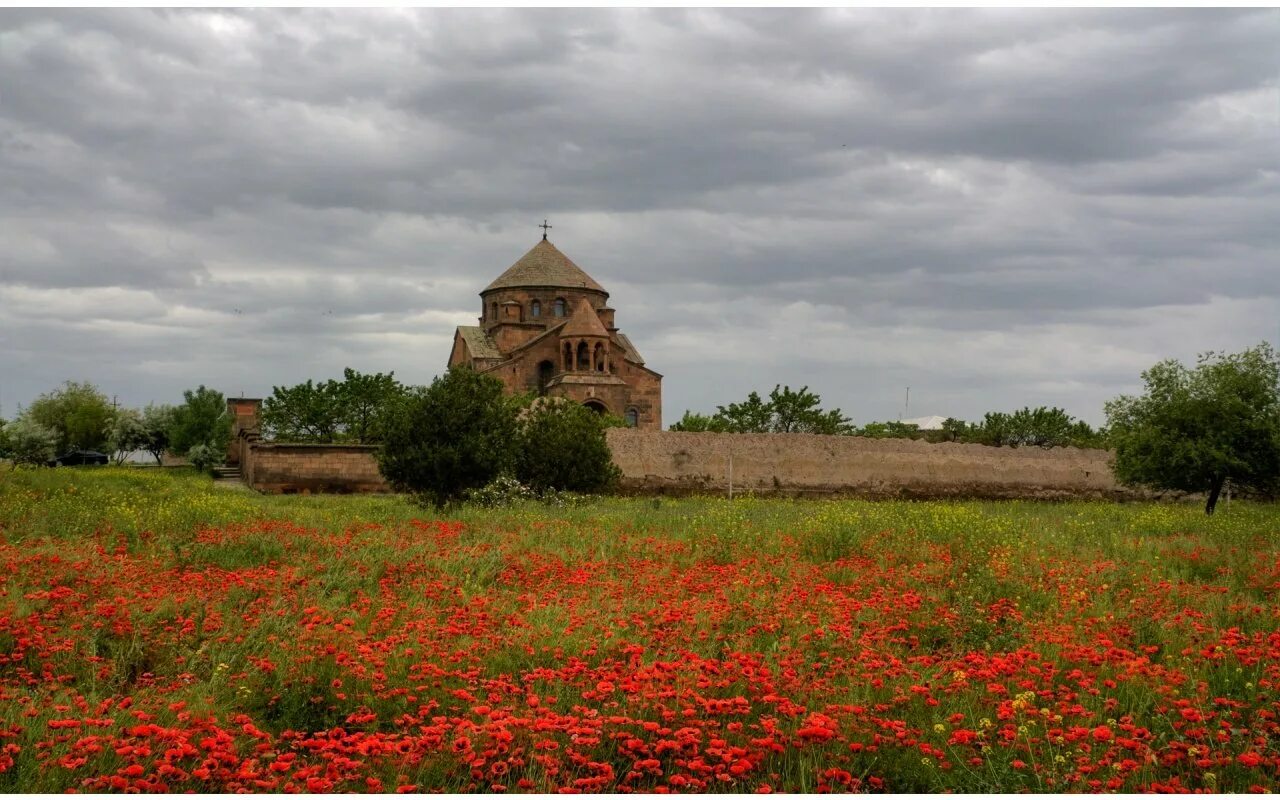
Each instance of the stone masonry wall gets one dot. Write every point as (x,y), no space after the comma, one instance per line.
(675,463)
(310,468)
(670,462)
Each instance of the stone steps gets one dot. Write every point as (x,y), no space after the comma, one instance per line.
(226,473)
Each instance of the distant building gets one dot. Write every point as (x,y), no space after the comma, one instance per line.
(933,423)
(546,327)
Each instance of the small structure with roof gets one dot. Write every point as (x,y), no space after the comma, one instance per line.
(546,326)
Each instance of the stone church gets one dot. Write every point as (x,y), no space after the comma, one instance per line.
(546,327)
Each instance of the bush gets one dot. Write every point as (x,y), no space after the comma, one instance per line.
(455,435)
(502,491)
(202,419)
(203,457)
(561,447)
(77,413)
(27,442)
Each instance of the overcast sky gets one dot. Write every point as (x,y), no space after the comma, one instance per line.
(996,208)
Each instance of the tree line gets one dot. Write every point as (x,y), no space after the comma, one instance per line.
(78,416)
(1198,428)
(788,410)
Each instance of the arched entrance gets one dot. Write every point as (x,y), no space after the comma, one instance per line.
(545,371)
(596,406)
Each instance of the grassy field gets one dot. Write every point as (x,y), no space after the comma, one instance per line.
(161,634)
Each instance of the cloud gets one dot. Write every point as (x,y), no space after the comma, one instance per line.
(993,207)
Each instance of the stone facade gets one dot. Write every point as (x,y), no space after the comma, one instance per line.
(546,327)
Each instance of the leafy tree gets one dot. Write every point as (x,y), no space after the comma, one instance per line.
(786,411)
(562,446)
(752,415)
(457,434)
(29,442)
(996,429)
(694,422)
(801,412)
(77,413)
(126,434)
(349,410)
(365,402)
(1195,429)
(157,420)
(202,419)
(890,430)
(308,412)
(956,430)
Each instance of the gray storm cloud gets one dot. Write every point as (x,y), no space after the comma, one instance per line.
(996,208)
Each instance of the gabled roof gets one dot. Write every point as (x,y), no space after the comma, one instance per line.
(632,353)
(479,343)
(584,322)
(544,265)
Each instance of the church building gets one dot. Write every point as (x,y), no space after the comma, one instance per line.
(546,327)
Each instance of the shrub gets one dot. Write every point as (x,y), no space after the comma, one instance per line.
(452,436)
(561,446)
(30,443)
(202,419)
(501,491)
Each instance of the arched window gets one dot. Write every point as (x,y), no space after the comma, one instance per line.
(568,356)
(633,418)
(545,370)
(559,307)
(598,357)
(535,309)
(584,357)
(493,310)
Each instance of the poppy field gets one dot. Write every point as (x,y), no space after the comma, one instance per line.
(161,634)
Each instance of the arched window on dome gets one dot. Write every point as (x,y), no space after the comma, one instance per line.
(535,309)
(559,307)
(632,417)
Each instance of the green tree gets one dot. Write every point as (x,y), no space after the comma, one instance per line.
(307,412)
(202,419)
(1195,429)
(365,402)
(801,412)
(752,415)
(956,430)
(457,434)
(786,411)
(996,429)
(694,422)
(890,430)
(562,446)
(126,434)
(30,443)
(77,413)
(157,420)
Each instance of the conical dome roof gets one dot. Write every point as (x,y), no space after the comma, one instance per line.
(584,322)
(544,265)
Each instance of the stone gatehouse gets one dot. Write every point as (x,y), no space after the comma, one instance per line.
(546,327)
